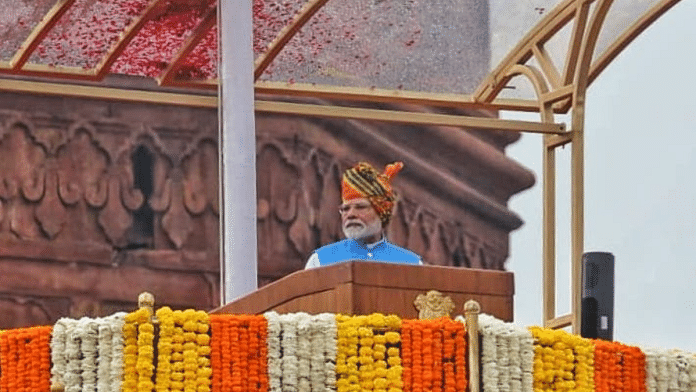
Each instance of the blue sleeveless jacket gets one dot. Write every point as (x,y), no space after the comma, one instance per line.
(350,249)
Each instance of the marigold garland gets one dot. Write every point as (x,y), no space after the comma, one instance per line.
(25,359)
(299,352)
(138,352)
(366,353)
(618,367)
(191,367)
(245,370)
(562,361)
(163,377)
(433,355)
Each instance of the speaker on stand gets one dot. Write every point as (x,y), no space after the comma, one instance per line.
(597,307)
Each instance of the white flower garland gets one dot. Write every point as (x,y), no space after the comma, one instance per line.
(669,370)
(304,350)
(87,354)
(73,370)
(526,359)
(87,331)
(301,352)
(507,356)
(323,355)
(289,359)
(105,336)
(328,329)
(275,373)
(115,323)
(503,351)
(317,377)
(58,359)
(515,362)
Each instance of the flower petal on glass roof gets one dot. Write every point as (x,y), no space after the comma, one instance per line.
(201,63)
(429,45)
(151,50)
(86,32)
(18,19)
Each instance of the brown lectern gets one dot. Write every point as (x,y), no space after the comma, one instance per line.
(360,287)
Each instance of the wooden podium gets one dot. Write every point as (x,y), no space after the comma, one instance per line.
(360,287)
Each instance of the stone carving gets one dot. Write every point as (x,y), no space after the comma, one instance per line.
(50,183)
(433,305)
(43,188)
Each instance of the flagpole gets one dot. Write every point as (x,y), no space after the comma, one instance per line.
(238,249)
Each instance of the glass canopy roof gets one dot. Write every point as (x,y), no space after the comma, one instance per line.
(432,46)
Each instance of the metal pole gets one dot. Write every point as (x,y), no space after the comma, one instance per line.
(238,252)
(471,313)
(549,230)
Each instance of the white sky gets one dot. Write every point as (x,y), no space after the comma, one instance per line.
(640,190)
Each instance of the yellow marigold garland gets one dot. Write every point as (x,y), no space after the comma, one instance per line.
(177,359)
(366,353)
(196,350)
(163,379)
(138,352)
(562,361)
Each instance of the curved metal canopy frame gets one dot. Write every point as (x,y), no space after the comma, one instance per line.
(558,91)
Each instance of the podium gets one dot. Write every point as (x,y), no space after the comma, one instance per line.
(360,287)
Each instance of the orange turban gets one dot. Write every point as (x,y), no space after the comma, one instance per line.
(364,181)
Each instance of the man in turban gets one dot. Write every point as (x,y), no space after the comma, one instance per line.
(368,202)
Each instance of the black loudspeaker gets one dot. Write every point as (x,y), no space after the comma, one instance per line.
(597,308)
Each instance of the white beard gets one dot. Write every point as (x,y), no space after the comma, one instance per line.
(362,230)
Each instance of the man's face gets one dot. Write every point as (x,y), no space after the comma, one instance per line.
(359,219)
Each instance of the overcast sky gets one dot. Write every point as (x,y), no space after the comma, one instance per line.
(640,190)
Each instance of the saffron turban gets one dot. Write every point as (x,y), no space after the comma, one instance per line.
(364,181)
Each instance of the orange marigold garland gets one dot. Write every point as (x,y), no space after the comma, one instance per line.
(406,354)
(427,354)
(618,367)
(438,368)
(24,359)
(238,353)
(434,355)
(416,358)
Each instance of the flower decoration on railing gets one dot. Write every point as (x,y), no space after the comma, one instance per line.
(192,351)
